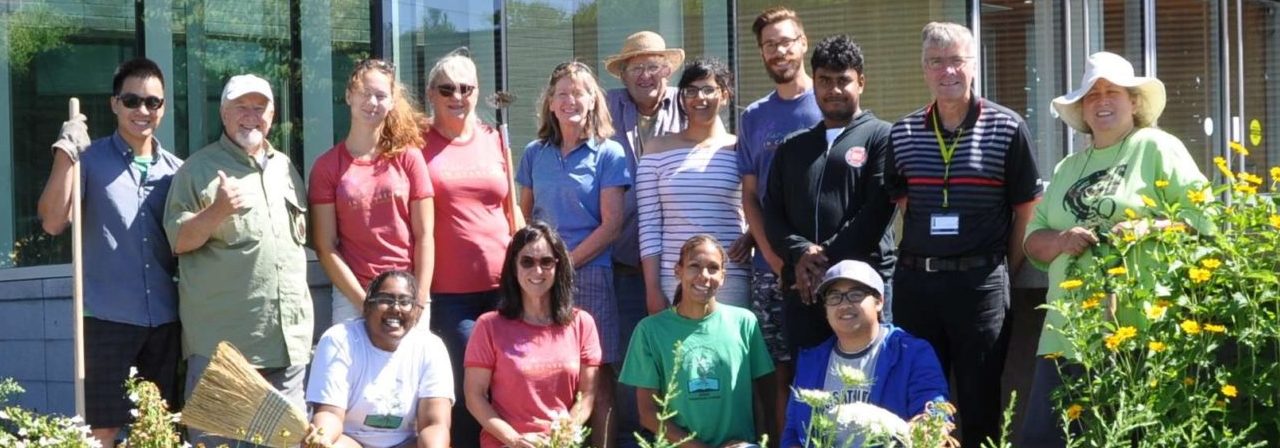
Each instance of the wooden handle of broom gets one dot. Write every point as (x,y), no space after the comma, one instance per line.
(77,273)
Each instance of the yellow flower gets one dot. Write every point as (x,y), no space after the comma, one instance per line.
(1117,271)
(1199,275)
(1123,334)
(1073,411)
(1089,304)
(1238,148)
(1156,346)
(1275,174)
(1129,237)
(1197,196)
(1070,284)
(1188,381)
(1250,178)
(1245,189)
(1275,221)
(1176,227)
(1129,213)
(1127,332)
(1155,312)
(1229,390)
(1162,183)
(1211,263)
(1215,328)
(1053,356)
(1147,201)
(1221,163)
(1190,327)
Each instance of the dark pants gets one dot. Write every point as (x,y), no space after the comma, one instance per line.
(453,317)
(111,349)
(964,315)
(629,289)
(1042,421)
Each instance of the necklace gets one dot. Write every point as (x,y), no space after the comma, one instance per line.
(1115,155)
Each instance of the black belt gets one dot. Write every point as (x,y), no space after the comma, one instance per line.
(935,264)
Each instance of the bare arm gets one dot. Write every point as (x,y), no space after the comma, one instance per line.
(655,299)
(475,388)
(755,222)
(422,219)
(434,417)
(1045,245)
(1022,214)
(326,428)
(581,411)
(325,222)
(526,203)
(602,236)
(649,419)
(55,202)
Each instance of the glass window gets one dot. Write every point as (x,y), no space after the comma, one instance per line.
(1022,49)
(48,55)
(1259,34)
(1187,52)
(422,33)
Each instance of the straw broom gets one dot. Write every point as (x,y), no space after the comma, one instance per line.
(233,400)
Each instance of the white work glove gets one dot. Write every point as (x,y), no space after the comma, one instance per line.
(73,138)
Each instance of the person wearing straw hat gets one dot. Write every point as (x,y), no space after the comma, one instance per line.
(131,301)
(236,217)
(902,372)
(644,108)
(1090,196)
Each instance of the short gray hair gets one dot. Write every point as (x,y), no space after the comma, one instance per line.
(457,66)
(945,34)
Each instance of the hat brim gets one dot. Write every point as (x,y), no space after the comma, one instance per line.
(822,287)
(613,64)
(1069,108)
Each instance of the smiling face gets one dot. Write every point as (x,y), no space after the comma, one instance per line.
(782,48)
(851,317)
(701,272)
(702,100)
(536,269)
(387,324)
(838,93)
(645,77)
(138,124)
(371,98)
(448,100)
(247,120)
(571,101)
(1108,109)
(949,71)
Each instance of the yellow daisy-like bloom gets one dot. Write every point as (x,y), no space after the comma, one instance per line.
(1245,189)
(1117,271)
(1229,390)
(1127,332)
(1199,275)
(1162,183)
(1129,237)
(1197,196)
(1123,334)
(1251,178)
(1053,356)
(1147,201)
(1090,303)
(1176,227)
(1156,346)
(1070,284)
(1275,174)
(1074,411)
(1112,342)
(1129,213)
(1221,163)
(1211,263)
(1239,148)
(1215,328)
(1155,312)
(1274,220)
(1190,327)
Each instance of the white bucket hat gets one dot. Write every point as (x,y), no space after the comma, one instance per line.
(1112,67)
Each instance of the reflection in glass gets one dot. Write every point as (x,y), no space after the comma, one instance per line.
(1022,49)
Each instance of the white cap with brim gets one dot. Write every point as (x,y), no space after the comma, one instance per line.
(853,270)
(241,85)
(1112,67)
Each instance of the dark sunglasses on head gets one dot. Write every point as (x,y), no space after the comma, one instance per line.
(132,101)
(447,90)
(546,263)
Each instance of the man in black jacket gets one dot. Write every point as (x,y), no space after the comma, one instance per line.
(820,180)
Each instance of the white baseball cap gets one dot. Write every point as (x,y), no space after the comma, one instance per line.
(241,85)
(853,270)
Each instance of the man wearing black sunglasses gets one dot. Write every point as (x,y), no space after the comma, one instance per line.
(130,299)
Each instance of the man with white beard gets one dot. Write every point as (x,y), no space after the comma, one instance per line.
(236,217)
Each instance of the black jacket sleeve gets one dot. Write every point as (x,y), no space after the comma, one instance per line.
(862,233)
(783,236)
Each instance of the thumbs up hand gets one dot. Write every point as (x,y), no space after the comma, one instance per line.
(228,200)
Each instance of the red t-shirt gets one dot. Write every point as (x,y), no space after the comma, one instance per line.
(534,368)
(470,179)
(371,202)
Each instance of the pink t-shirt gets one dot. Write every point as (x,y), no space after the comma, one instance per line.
(534,368)
(371,202)
(470,179)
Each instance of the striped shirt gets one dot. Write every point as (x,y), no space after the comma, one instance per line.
(991,170)
(686,192)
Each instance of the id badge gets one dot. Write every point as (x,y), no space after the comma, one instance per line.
(383,421)
(944,224)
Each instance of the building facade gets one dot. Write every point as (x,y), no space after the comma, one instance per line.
(1220,60)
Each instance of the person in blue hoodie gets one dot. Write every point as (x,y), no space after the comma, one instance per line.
(903,371)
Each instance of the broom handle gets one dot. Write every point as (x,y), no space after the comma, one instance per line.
(77,274)
(517,217)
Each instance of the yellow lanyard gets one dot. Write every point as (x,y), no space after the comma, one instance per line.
(946,152)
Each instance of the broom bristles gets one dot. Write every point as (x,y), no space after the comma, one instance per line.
(233,400)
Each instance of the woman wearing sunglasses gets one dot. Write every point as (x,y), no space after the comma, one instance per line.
(379,381)
(537,356)
(371,194)
(474,211)
(573,177)
(688,184)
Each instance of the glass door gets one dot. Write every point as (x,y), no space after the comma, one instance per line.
(1254,97)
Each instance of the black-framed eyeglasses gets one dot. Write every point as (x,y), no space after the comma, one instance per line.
(781,44)
(447,90)
(853,296)
(385,300)
(131,101)
(695,91)
(546,263)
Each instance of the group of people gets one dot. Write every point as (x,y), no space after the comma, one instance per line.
(657,243)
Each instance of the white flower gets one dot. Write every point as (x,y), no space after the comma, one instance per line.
(815,398)
(871,420)
(134,413)
(133,371)
(176,418)
(851,376)
(133,397)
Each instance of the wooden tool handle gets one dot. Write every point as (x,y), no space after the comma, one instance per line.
(73,108)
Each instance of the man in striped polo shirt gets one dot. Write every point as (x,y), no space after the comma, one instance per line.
(962,169)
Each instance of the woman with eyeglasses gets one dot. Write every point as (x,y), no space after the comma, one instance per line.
(573,177)
(722,356)
(688,184)
(371,194)
(379,381)
(535,359)
(475,213)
